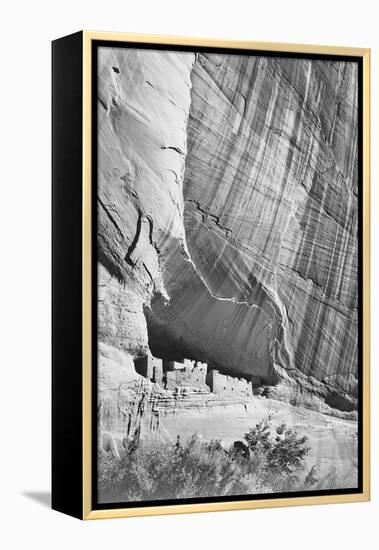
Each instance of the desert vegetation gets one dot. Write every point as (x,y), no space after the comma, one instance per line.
(270,458)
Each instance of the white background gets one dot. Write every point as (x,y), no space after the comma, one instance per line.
(26,31)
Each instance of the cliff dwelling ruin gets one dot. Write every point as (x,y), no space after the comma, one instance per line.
(195,376)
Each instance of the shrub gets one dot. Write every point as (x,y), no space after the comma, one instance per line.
(283,450)
(158,469)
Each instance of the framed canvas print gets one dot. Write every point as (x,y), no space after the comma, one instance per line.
(210,275)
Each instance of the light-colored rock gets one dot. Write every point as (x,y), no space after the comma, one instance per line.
(143,107)
(227,234)
(271,218)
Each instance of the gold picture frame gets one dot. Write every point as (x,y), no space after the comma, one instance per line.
(84,508)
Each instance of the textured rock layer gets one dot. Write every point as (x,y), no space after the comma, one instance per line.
(271,208)
(227,208)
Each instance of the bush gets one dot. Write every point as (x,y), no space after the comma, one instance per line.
(158,469)
(283,450)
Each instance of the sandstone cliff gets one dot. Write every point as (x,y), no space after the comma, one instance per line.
(227,209)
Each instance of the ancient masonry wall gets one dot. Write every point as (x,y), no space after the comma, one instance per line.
(230,385)
(150,367)
(194,375)
(190,374)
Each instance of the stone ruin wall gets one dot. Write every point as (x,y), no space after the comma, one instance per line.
(231,385)
(150,367)
(189,374)
(193,375)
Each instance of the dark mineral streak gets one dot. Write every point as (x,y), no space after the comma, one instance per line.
(228,221)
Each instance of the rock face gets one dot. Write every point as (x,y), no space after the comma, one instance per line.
(227,234)
(271,210)
(143,107)
(228,213)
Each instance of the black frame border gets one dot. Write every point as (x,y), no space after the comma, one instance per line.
(67,252)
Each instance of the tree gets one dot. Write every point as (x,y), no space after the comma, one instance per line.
(282,447)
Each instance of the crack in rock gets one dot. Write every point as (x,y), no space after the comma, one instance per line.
(206,215)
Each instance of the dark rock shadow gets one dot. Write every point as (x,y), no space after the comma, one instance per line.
(41,497)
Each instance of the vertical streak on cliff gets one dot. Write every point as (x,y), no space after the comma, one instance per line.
(278,341)
(227,217)
(278,170)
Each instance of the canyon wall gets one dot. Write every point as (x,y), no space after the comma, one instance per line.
(227,219)
(143,108)
(271,212)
